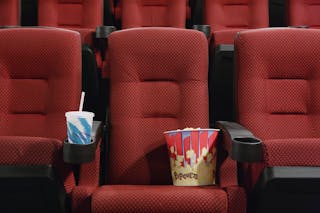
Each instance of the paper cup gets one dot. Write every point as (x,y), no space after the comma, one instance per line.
(192,156)
(79,125)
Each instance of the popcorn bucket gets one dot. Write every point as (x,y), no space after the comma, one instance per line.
(192,156)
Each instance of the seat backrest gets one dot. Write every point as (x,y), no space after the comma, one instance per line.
(236,14)
(278,78)
(81,15)
(40,79)
(303,13)
(9,12)
(153,13)
(158,83)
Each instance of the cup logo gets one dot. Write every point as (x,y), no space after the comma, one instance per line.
(81,133)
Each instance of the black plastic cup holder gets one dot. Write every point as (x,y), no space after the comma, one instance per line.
(206,29)
(246,149)
(79,153)
(104,31)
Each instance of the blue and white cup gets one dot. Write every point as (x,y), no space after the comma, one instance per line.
(79,126)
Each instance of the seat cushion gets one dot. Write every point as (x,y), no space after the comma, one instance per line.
(19,150)
(141,198)
(292,152)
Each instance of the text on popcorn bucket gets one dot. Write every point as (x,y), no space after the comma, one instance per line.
(181,176)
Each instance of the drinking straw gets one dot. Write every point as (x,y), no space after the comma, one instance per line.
(81,101)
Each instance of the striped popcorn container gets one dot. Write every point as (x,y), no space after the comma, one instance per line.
(193,156)
(79,125)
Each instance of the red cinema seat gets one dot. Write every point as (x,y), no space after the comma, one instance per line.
(40,79)
(277,100)
(303,13)
(227,17)
(153,13)
(9,12)
(158,83)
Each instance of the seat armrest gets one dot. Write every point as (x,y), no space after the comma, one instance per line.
(83,153)
(240,143)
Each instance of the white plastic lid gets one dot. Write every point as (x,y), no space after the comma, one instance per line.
(79,114)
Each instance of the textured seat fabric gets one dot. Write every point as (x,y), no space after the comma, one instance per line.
(9,12)
(153,13)
(235,15)
(130,198)
(278,93)
(39,82)
(303,13)
(292,152)
(79,15)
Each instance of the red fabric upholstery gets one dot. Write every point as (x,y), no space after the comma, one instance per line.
(176,82)
(303,13)
(117,10)
(80,15)
(278,94)
(9,12)
(234,15)
(292,152)
(130,198)
(90,172)
(40,79)
(237,199)
(228,173)
(82,199)
(153,13)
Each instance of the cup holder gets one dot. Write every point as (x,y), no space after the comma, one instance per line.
(246,149)
(79,153)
